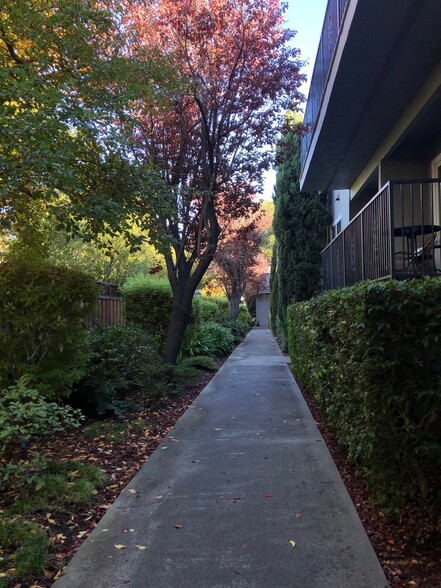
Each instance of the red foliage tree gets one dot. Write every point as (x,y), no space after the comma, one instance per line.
(213,146)
(235,258)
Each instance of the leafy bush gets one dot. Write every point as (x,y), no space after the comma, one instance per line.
(24,415)
(43,314)
(148,304)
(122,359)
(244,321)
(217,309)
(212,339)
(222,315)
(209,309)
(370,355)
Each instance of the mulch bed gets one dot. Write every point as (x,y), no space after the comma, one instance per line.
(408,545)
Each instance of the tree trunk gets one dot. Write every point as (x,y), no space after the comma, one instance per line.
(184,276)
(180,317)
(234,305)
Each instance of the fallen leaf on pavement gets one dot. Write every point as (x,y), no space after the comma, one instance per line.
(292,543)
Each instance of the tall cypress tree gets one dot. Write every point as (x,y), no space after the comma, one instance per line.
(300,219)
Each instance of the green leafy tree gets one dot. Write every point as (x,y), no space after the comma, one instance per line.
(300,219)
(112,260)
(65,82)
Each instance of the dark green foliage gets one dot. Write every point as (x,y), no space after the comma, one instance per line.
(122,359)
(243,324)
(299,222)
(25,415)
(370,355)
(209,309)
(212,339)
(148,304)
(217,309)
(222,315)
(43,315)
(200,362)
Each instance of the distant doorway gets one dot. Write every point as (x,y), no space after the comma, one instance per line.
(262,310)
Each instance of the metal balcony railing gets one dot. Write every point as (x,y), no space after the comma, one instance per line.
(396,235)
(328,41)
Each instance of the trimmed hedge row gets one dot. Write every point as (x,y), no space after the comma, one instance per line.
(370,355)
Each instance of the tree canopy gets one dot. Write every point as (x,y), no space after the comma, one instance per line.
(212,148)
(66,81)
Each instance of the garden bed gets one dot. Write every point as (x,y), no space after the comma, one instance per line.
(119,449)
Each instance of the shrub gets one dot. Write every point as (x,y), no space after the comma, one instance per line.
(122,359)
(217,309)
(371,357)
(244,320)
(212,339)
(209,309)
(222,315)
(201,362)
(43,314)
(24,415)
(148,304)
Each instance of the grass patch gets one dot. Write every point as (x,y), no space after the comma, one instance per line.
(200,362)
(58,485)
(23,548)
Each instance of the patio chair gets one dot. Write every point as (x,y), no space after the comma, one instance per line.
(419,261)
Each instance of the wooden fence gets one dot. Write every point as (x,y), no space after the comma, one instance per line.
(110,308)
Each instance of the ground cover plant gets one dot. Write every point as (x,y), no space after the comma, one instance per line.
(45,516)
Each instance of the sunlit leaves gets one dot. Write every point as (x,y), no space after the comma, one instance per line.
(66,82)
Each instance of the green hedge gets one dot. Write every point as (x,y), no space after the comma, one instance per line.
(148,304)
(43,314)
(370,355)
(217,309)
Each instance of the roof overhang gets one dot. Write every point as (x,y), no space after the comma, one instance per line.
(384,54)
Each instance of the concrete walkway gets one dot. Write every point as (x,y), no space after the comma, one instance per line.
(243,474)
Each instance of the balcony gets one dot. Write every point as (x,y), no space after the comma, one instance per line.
(377,70)
(328,41)
(395,236)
